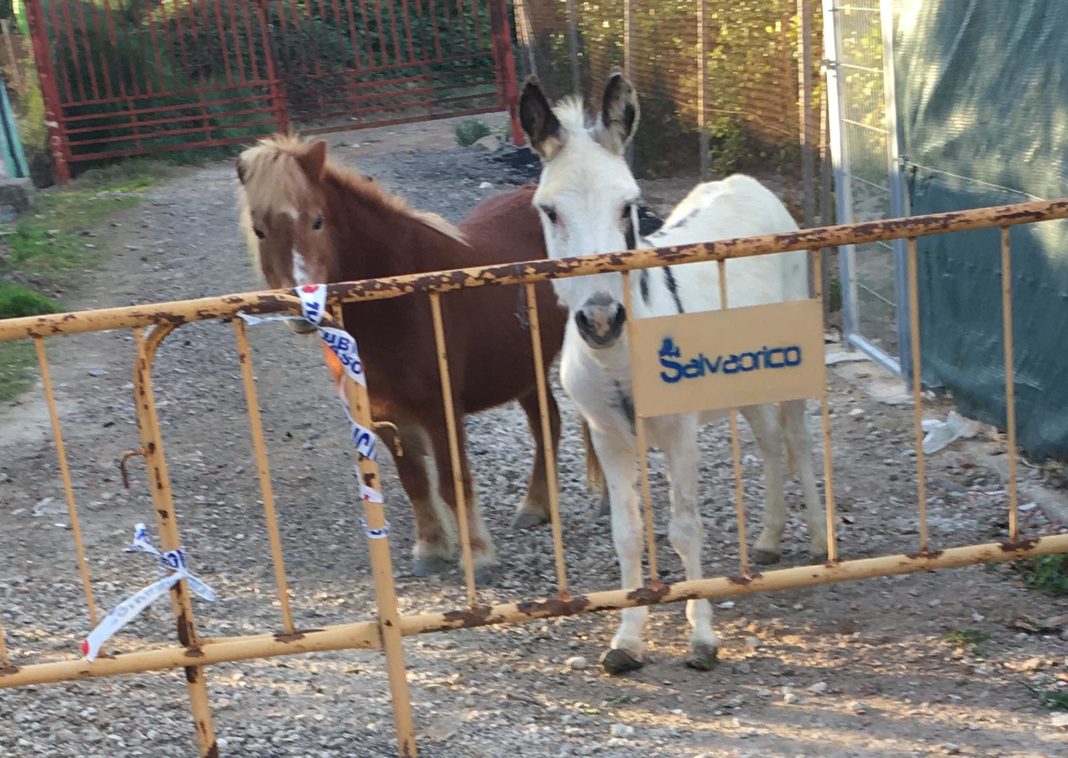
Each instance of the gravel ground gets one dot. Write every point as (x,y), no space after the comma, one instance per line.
(847,670)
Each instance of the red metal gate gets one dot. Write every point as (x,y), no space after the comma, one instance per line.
(131,77)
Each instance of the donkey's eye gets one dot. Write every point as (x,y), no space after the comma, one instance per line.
(627,210)
(259,233)
(317,224)
(550,213)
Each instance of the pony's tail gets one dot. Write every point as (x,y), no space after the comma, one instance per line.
(595,482)
(791,464)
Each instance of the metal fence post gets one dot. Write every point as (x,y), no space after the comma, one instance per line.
(46,74)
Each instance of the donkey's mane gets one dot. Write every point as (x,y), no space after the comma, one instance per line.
(571,113)
(275,180)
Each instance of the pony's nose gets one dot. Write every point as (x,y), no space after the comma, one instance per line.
(600,321)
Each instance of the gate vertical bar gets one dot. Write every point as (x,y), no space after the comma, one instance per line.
(702,88)
(804,64)
(898,197)
(1010,380)
(573,48)
(382,568)
(278,95)
(502,42)
(548,449)
(167,524)
(42,57)
(64,471)
(917,392)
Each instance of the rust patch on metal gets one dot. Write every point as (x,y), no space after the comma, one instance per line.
(295,635)
(213,751)
(122,465)
(195,651)
(184,627)
(740,579)
(650,594)
(192,674)
(1012,547)
(924,554)
(9,670)
(477,615)
(555,606)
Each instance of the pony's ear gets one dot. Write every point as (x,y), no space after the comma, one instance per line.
(313,160)
(538,121)
(619,113)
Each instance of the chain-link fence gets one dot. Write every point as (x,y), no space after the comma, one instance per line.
(724,84)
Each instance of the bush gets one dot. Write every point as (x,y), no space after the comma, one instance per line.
(17,301)
(471,131)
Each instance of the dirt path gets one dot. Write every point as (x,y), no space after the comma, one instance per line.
(867,666)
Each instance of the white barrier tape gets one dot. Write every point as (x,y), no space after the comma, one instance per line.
(343,345)
(375,534)
(173,562)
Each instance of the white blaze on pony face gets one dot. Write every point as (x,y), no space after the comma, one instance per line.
(587,197)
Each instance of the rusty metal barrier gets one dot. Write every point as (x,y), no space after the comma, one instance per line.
(151,324)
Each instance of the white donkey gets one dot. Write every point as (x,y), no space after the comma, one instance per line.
(588,202)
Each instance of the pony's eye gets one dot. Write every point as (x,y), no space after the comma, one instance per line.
(317,224)
(550,213)
(627,209)
(259,233)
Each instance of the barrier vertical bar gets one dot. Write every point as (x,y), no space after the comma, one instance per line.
(166,522)
(917,391)
(64,472)
(255,423)
(382,570)
(1010,380)
(804,64)
(454,448)
(552,482)
(816,255)
(736,451)
(643,446)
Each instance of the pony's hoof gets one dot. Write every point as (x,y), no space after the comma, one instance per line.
(703,657)
(765,557)
(605,508)
(617,661)
(430,565)
(529,519)
(485,576)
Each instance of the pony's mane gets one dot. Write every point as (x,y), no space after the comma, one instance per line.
(274,179)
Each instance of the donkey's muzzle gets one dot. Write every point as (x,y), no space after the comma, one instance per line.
(302,326)
(600,320)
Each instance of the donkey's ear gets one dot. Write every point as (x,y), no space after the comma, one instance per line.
(239,164)
(619,113)
(539,122)
(313,160)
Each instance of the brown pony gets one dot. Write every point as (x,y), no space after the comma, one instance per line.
(311,221)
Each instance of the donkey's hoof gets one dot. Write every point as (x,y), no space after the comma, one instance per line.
(529,519)
(485,576)
(703,657)
(818,557)
(617,661)
(765,557)
(605,509)
(433,564)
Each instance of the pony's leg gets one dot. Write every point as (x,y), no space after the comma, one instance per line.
(769,436)
(535,507)
(433,544)
(799,443)
(616,453)
(482,551)
(679,443)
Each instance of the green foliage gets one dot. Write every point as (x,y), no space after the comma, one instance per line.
(966,638)
(16,358)
(471,131)
(1047,573)
(1055,700)
(834,296)
(17,301)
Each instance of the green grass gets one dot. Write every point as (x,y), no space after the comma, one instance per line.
(1047,573)
(49,245)
(16,359)
(471,131)
(966,638)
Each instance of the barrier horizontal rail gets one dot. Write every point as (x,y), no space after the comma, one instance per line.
(365,634)
(185,311)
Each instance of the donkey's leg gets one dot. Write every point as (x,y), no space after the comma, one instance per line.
(617,460)
(433,544)
(678,439)
(799,443)
(482,551)
(535,507)
(769,436)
